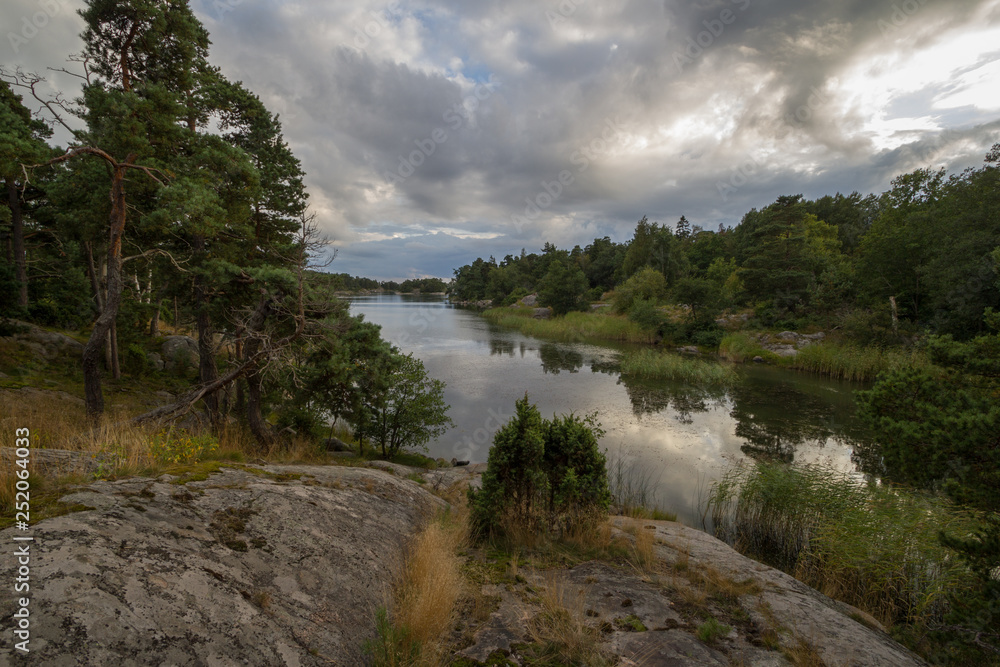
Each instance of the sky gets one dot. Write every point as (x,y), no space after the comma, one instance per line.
(434,132)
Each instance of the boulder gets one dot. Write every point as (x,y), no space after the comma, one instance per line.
(541,313)
(179,353)
(248,567)
(47,344)
(531,300)
(155,360)
(337,445)
(689,349)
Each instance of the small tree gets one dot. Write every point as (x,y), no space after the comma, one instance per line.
(576,469)
(563,288)
(407,410)
(542,474)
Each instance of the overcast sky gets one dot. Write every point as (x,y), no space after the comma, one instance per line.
(434,132)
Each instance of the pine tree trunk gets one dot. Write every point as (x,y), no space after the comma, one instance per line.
(208,371)
(154,322)
(17,242)
(255,418)
(93,396)
(116,369)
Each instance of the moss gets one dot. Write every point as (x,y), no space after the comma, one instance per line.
(227,525)
(630,623)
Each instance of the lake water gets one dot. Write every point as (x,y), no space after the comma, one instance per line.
(682,437)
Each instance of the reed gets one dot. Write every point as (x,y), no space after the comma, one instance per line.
(741,348)
(577,326)
(852,362)
(653,365)
(871,545)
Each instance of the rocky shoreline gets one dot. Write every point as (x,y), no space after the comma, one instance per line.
(286,565)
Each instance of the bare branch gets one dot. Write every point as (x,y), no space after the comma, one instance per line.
(161,252)
(29,81)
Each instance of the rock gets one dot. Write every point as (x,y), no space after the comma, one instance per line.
(443,463)
(44,394)
(48,344)
(788,335)
(238,569)
(455,463)
(541,313)
(689,349)
(337,445)
(531,300)
(758,360)
(155,360)
(803,612)
(179,353)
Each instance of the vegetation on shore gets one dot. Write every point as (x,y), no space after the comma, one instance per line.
(573,327)
(874,546)
(653,365)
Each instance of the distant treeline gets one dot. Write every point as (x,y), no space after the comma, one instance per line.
(349,283)
(921,256)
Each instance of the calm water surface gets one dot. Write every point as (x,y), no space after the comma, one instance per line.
(683,437)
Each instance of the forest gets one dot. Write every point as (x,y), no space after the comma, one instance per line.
(177,207)
(881,268)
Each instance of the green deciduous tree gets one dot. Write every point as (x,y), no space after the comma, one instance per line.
(563,288)
(399,405)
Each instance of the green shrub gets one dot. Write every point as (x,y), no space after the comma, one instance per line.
(541,474)
(644,313)
(576,469)
(181,447)
(135,362)
(648,284)
(711,630)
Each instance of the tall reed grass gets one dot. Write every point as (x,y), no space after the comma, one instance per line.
(871,545)
(576,326)
(654,365)
(837,360)
(851,362)
(741,348)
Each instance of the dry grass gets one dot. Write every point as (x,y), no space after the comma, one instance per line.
(803,654)
(559,633)
(53,419)
(429,586)
(643,555)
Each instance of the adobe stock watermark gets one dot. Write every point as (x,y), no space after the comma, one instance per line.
(31,25)
(379,21)
(714,28)
(582,157)
(563,11)
(900,16)
(741,174)
(455,116)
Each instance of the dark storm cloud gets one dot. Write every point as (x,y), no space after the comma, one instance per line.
(436,131)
